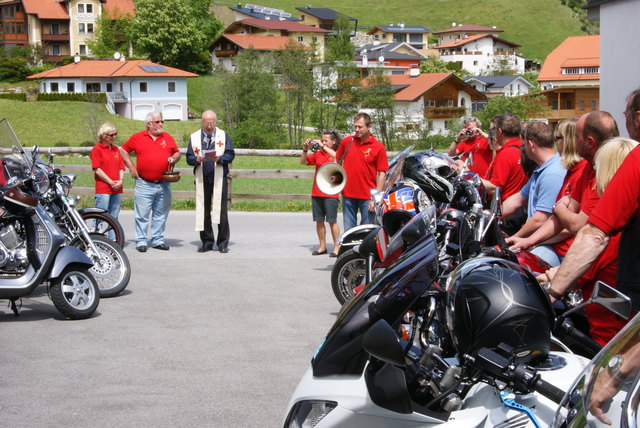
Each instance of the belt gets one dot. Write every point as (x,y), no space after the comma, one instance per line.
(150,181)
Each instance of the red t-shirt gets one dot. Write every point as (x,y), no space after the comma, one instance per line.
(505,171)
(620,201)
(482,153)
(603,324)
(151,155)
(108,159)
(585,190)
(318,159)
(571,180)
(362,163)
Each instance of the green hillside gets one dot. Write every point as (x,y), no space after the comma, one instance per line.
(538,25)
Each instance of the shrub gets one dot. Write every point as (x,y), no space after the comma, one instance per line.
(18,96)
(87,144)
(13,69)
(101,97)
(62,144)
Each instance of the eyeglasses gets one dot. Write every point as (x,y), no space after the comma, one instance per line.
(112,135)
(213,122)
(559,137)
(157,122)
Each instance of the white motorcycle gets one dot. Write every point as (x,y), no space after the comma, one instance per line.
(386,361)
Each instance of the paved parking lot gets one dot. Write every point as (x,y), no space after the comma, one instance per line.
(196,339)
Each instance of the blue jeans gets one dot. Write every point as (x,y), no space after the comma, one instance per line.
(548,254)
(111,203)
(155,199)
(350,208)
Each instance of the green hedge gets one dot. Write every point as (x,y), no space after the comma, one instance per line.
(100,97)
(18,96)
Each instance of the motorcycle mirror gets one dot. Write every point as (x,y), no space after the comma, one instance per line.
(382,342)
(470,159)
(610,298)
(50,155)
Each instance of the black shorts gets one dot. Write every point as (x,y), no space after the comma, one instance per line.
(324,209)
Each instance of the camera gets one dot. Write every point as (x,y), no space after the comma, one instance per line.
(469,132)
(315,146)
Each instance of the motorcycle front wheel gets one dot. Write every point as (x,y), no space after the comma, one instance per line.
(112,271)
(347,274)
(75,293)
(105,224)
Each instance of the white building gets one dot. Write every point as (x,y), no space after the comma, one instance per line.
(508,85)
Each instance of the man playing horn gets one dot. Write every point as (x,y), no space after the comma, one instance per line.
(210,152)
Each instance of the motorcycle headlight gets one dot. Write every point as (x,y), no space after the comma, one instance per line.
(308,413)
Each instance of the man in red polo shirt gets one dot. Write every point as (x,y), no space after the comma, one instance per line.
(365,162)
(618,210)
(155,150)
(470,140)
(505,170)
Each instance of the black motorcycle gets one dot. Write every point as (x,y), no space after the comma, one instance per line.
(32,247)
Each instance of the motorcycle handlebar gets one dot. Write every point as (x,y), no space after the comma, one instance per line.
(566,329)
(551,392)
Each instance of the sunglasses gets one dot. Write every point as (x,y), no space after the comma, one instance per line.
(157,122)
(112,135)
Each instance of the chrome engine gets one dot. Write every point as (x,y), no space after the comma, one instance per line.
(13,249)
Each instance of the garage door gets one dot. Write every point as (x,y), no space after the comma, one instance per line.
(172,112)
(140,111)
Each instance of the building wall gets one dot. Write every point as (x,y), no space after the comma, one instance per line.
(309,19)
(619,61)
(88,22)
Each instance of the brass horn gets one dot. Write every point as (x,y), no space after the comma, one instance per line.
(331,178)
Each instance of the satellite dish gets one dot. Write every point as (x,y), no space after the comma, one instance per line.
(364,51)
(116,55)
(453,24)
(380,59)
(76,59)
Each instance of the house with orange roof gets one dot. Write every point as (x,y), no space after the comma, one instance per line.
(227,46)
(480,53)
(133,88)
(431,102)
(575,62)
(61,27)
(311,37)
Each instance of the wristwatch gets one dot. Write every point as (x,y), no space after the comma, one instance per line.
(614,365)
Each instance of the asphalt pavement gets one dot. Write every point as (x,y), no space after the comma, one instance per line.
(208,339)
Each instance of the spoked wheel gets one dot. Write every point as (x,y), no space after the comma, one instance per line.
(348,273)
(75,293)
(105,224)
(112,269)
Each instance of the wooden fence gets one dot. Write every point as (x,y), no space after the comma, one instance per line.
(188,172)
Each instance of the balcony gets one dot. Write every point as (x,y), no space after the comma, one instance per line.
(53,58)
(444,112)
(55,37)
(225,53)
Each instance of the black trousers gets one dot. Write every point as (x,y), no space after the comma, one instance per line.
(206,236)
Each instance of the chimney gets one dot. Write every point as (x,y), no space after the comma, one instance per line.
(401,24)
(391,24)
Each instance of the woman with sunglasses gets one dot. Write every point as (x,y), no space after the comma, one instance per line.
(108,168)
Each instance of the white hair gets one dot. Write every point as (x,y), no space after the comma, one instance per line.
(149,117)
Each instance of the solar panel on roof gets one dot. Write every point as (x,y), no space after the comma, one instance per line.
(258,9)
(249,6)
(154,69)
(267,11)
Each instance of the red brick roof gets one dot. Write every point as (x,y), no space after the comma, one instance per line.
(46,9)
(260,43)
(118,8)
(470,28)
(101,68)
(276,24)
(575,51)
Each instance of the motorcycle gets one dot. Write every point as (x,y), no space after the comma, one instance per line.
(111,267)
(379,365)
(32,247)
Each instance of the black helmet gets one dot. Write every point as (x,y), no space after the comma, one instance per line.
(432,171)
(492,301)
(401,203)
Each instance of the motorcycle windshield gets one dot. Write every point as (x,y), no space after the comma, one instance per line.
(9,143)
(423,223)
(607,392)
(395,168)
(387,297)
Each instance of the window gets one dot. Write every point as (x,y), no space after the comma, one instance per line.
(301,39)
(429,102)
(399,37)
(415,38)
(171,86)
(581,105)
(143,86)
(448,103)
(55,49)
(93,87)
(82,49)
(121,86)
(567,105)
(376,37)
(109,87)
(593,105)
(554,105)
(446,124)
(71,87)
(9,12)
(53,87)
(80,7)
(397,72)
(81,28)
(384,36)
(90,28)
(462,102)
(89,8)
(475,62)
(55,28)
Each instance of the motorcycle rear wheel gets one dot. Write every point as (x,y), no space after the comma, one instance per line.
(348,273)
(113,271)
(75,293)
(103,223)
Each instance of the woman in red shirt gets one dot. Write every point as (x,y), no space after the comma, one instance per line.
(108,168)
(324,207)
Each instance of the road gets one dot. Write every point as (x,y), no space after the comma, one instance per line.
(209,339)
